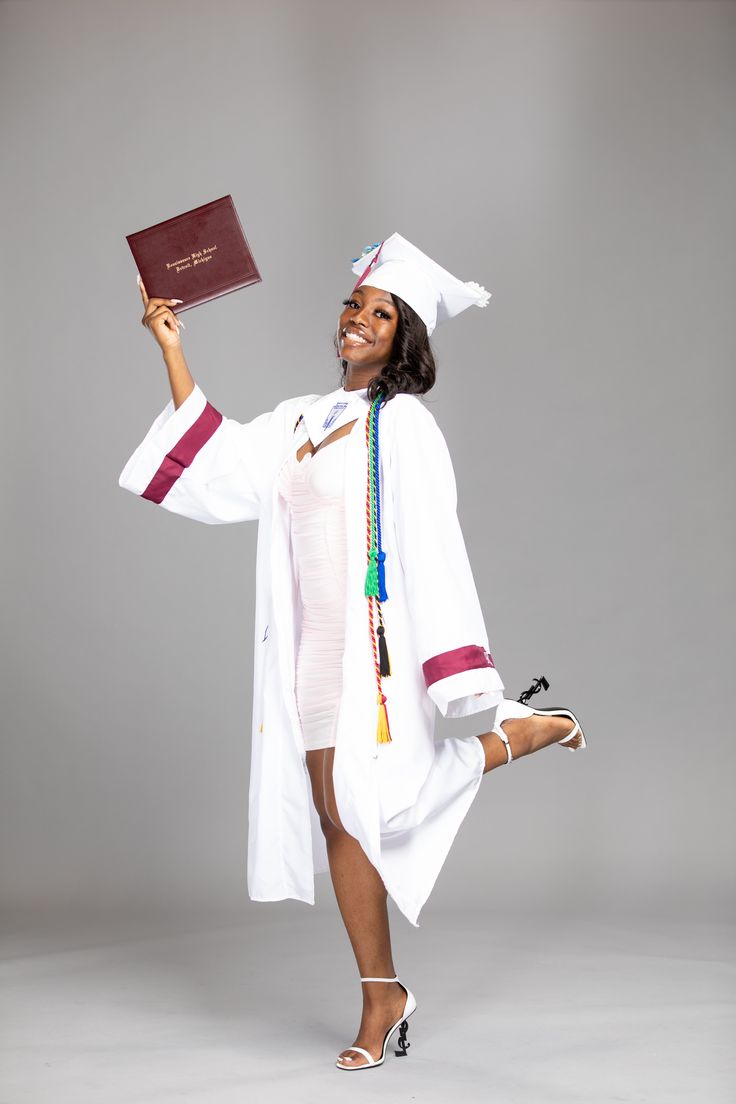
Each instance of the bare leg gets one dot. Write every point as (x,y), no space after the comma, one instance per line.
(362,900)
(361,894)
(526,735)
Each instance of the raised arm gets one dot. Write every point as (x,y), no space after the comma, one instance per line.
(193,460)
(160,319)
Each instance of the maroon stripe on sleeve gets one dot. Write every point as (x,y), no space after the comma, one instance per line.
(445,664)
(182,454)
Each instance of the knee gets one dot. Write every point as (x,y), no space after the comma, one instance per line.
(331,810)
(323,791)
(330,823)
(325,823)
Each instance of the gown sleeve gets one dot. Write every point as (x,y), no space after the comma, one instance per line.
(196,462)
(444,608)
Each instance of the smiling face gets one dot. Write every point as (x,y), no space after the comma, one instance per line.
(365,334)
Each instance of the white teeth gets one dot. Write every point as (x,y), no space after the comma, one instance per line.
(349,335)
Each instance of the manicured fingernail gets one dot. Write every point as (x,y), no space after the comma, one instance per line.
(181,323)
(138,279)
(176,300)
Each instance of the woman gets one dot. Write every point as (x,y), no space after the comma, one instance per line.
(367,616)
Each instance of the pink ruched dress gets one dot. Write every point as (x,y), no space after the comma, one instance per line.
(314,488)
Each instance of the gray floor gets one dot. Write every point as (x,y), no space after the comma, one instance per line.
(511,1008)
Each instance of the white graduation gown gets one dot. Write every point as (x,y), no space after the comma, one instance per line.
(404,800)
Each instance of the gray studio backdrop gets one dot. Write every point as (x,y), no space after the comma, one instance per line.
(578,159)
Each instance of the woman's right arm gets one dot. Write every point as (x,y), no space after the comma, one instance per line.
(161,320)
(194,461)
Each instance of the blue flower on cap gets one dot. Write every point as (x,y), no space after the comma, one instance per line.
(366,249)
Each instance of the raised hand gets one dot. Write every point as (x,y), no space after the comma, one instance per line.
(160,319)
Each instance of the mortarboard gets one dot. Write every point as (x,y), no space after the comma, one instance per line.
(397,266)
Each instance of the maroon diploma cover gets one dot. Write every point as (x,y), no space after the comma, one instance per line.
(196,256)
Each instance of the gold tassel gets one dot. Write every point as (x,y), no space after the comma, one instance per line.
(383,734)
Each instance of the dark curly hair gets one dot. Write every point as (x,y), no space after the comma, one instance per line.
(412,366)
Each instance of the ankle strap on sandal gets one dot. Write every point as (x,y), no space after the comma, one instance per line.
(379,979)
(500,732)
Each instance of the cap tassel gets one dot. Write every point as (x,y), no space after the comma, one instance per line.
(383,733)
(371,263)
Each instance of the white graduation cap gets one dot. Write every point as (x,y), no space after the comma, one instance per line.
(434,293)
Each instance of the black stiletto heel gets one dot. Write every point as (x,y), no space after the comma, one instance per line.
(402,1043)
(537,685)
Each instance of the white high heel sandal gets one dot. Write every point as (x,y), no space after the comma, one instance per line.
(507,709)
(409,1007)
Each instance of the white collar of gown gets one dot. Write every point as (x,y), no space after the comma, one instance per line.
(329,412)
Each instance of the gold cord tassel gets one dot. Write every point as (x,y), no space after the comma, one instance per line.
(383,734)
